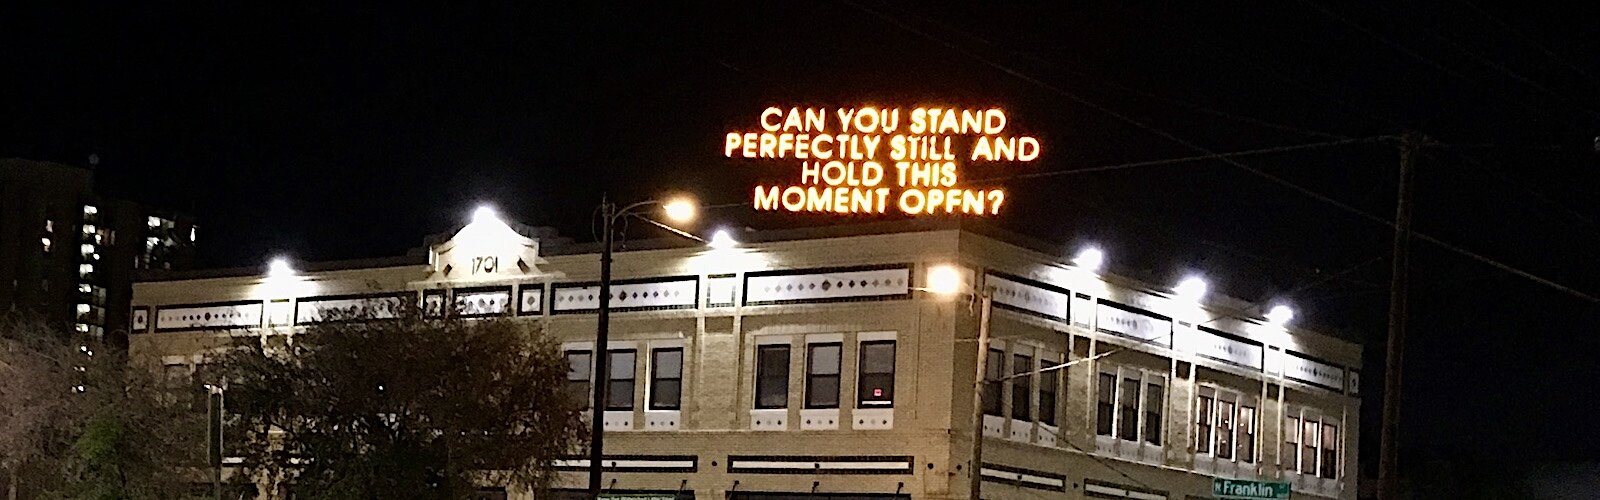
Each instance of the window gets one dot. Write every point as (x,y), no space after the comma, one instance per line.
(1154,394)
(1128,409)
(666,378)
(1203,423)
(1048,382)
(1247,434)
(1308,446)
(1104,408)
(578,369)
(1291,444)
(1130,405)
(822,375)
(46,243)
(994,366)
(875,374)
(619,387)
(1330,451)
(1224,447)
(772,376)
(85,270)
(1021,387)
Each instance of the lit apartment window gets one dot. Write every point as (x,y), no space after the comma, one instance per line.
(619,389)
(1308,446)
(1330,451)
(83,309)
(1203,421)
(46,242)
(81,327)
(192,233)
(993,386)
(772,376)
(89,229)
(153,221)
(666,378)
(875,377)
(49,226)
(1048,381)
(578,368)
(89,210)
(822,375)
(1021,387)
(1224,447)
(86,249)
(85,270)
(1130,402)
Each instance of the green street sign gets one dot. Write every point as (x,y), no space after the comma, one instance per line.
(1239,488)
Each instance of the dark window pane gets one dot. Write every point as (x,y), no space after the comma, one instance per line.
(619,389)
(1247,434)
(1021,387)
(1128,410)
(1105,393)
(1330,451)
(875,380)
(666,372)
(1203,426)
(992,388)
(1154,394)
(1047,396)
(822,375)
(772,376)
(578,369)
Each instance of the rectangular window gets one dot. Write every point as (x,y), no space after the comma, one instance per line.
(1128,409)
(1291,444)
(1224,429)
(1308,447)
(666,378)
(1202,424)
(992,387)
(822,375)
(1104,396)
(1247,434)
(875,377)
(1153,396)
(1021,387)
(1048,381)
(772,376)
(1330,451)
(619,388)
(578,369)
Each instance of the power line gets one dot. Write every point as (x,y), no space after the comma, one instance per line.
(1258,172)
(1547,52)
(1419,57)
(1151,95)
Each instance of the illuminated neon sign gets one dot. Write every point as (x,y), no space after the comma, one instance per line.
(868,160)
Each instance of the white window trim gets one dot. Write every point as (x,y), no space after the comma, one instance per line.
(1219,394)
(1146,376)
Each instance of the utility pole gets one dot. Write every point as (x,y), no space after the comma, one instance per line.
(599,358)
(1388,460)
(979,378)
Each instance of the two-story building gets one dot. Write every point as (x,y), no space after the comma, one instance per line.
(815,364)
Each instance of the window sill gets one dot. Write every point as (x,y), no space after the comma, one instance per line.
(775,419)
(873,418)
(820,419)
(619,420)
(662,420)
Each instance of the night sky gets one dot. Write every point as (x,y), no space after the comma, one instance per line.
(331,132)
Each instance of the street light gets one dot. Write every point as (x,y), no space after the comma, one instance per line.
(1191,289)
(948,280)
(279,267)
(679,210)
(1280,315)
(722,240)
(1090,259)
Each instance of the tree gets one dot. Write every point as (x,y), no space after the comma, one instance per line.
(383,401)
(76,422)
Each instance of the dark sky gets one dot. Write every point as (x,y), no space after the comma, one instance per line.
(329,132)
